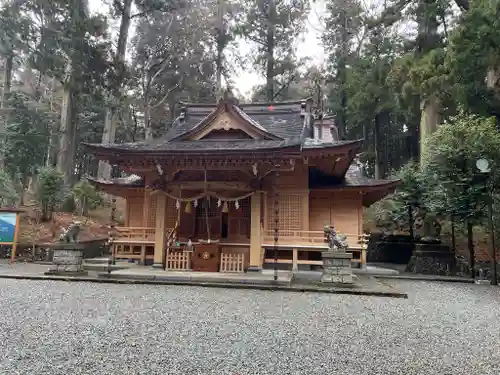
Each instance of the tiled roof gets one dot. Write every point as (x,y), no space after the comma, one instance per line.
(130,181)
(162,144)
(310,143)
(286,125)
(355,176)
(281,119)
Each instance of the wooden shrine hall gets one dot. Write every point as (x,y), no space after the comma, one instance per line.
(229,183)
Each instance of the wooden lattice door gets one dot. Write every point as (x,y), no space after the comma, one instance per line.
(239,220)
(207,210)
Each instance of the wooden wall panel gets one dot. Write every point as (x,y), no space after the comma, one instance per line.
(135,211)
(342,209)
(296,180)
(319,212)
(344,212)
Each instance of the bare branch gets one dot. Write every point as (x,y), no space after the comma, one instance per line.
(158,72)
(162,100)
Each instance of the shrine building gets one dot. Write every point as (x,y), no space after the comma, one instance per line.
(229,184)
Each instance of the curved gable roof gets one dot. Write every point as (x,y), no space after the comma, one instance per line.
(236,112)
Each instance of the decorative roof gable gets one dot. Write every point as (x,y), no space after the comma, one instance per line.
(227,116)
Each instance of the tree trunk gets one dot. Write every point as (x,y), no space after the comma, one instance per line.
(54,144)
(108,136)
(111,118)
(7,84)
(52,148)
(376,147)
(342,76)
(342,113)
(65,157)
(147,122)
(470,245)
(270,52)
(429,121)
(220,48)
(24,186)
(493,84)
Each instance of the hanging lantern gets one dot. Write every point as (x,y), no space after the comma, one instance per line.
(177,204)
(225,208)
(237,205)
(188,208)
(219,202)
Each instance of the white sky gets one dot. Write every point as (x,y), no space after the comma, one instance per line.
(308,45)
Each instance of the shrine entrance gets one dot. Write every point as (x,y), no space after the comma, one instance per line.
(222,221)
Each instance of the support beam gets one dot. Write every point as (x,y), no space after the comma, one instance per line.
(255,233)
(295,260)
(160,228)
(145,208)
(305,211)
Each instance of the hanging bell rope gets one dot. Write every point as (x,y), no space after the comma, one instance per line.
(206,204)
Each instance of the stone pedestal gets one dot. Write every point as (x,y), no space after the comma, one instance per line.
(67,260)
(337,267)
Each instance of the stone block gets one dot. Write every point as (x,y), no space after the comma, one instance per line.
(347,279)
(331,279)
(68,259)
(337,267)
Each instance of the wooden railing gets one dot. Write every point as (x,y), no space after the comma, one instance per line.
(135,234)
(314,238)
(178,261)
(232,262)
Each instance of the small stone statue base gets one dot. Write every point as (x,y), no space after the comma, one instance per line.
(337,268)
(68,260)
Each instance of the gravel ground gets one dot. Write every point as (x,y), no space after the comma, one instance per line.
(83,328)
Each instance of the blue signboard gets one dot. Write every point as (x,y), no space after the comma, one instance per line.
(7,226)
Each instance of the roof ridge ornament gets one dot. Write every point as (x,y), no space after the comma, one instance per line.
(183,113)
(303,109)
(227,97)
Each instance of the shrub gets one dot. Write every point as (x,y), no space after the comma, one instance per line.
(50,191)
(8,193)
(86,197)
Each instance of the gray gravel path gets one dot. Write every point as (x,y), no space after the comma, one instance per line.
(84,328)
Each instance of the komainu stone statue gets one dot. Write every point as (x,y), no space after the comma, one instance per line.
(336,242)
(70,234)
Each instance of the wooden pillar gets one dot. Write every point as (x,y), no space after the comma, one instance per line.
(295,259)
(160,228)
(16,238)
(305,211)
(255,232)
(145,208)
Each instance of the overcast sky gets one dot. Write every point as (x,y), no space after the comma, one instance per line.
(308,45)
